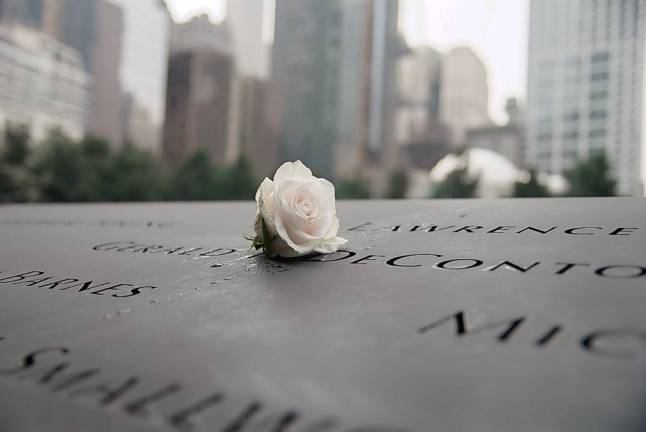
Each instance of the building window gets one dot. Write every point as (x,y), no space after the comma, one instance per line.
(596,133)
(571,116)
(600,57)
(599,76)
(598,114)
(599,95)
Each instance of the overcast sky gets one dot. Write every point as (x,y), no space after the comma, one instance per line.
(495,29)
(182,10)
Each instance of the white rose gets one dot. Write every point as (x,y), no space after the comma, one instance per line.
(298,212)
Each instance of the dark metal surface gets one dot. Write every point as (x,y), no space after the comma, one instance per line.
(163,320)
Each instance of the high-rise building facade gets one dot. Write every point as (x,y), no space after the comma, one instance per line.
(507,140)
(200,97)
(77,27)
(43,83)
(28,13)
(143,70)
(350,152)
(334,63)
(247,20)
(386,46)
(418,82)
(258,125)
(586,86)
(106,104)
(464,93)
(305,68)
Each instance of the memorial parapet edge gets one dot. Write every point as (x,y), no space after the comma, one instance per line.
(437,315)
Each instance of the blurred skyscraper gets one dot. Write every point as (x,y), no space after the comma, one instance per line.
(95,29)
(28,13)
(354,87)
(246,19)
(335,66)
(418,80)
(419,134)
(464,93)
(586,85)
(256,121)
(43,83)
(143,70)
(386,46)
(507,140)
(76,25)
(305,67)
(73,24)
(200,105)
(124,46)
(258,124)
(105,115)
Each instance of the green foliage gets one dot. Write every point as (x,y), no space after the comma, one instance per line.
(354,188)
(16,144)
(59,166)
(458,184)
(17,182)
(397,184)
(65,170)
(95,167)
(194,180)
(134,175)
(237,182)
(591,178)
(530,189)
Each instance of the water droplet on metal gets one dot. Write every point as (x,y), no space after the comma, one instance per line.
(228,278)
(123,311)
(107,317)
(154,301)
(181,294)
(197,288)
(215,282)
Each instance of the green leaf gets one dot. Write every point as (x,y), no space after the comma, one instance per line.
(266,237)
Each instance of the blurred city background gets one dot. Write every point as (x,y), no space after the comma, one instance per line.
(134,100)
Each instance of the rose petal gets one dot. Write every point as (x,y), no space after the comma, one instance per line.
(330,246)
(292,170)
(303,248)
(266,199)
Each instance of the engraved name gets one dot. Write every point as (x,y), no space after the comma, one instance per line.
(499,229)
(610,343)
(39,279)
(440,261)
(52,368)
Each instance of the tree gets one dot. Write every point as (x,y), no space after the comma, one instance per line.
(397,184)
(457,184)
(95,168)
(59,167)
(16,144)
(591,177)
(134,175)
(530,189)
(236,182)
(354,188)
(17,182)
(194,180)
